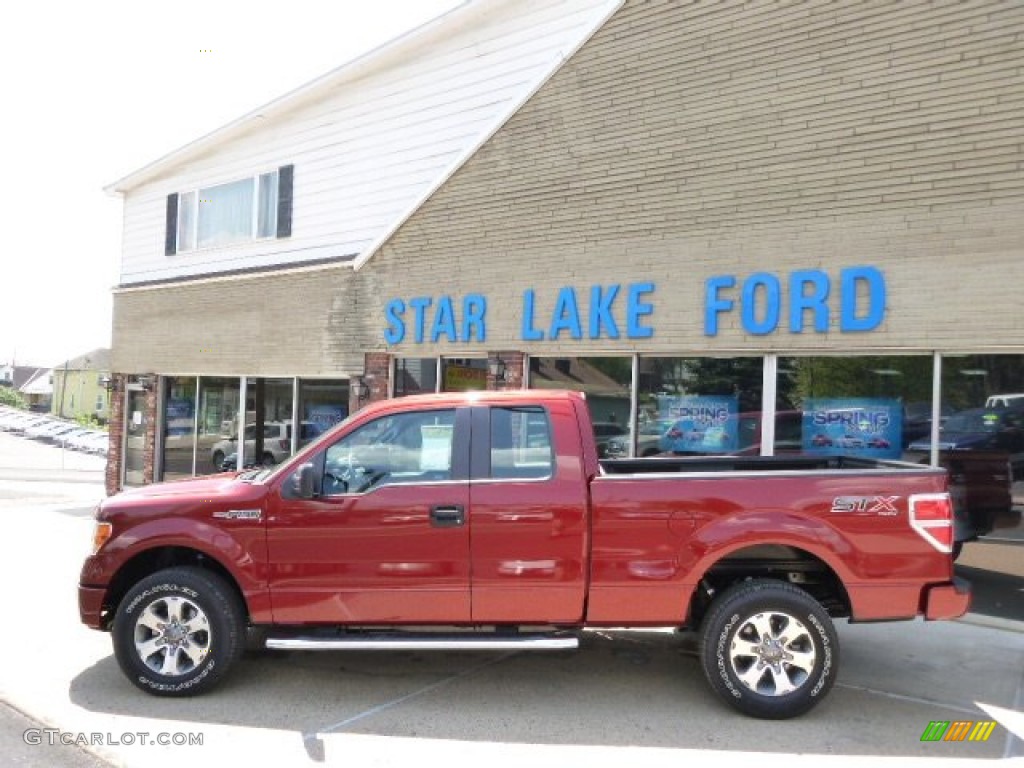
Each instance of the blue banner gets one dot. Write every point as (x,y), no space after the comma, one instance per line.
(180,416)
(853,426)
(325,416)
(700,423)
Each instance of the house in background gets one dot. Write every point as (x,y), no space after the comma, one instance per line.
(38,389)
(80,386)
(31,381)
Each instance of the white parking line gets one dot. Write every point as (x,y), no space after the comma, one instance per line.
(912,699)
(401,699)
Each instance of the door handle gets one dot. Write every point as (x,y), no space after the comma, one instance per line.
(447,516)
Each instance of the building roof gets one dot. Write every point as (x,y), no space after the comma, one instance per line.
(22,374)
(465,73)
(39,383)
(96,360)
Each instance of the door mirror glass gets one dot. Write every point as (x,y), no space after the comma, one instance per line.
(304,482)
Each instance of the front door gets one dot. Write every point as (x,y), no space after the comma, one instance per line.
(386,539)
(136,424)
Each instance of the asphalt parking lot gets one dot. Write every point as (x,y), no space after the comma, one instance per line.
(624,696)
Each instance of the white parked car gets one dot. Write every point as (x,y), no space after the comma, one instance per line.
(277,443)
(85,440)
(23,421)
(50,431)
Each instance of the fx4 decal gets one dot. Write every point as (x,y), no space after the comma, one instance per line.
(871,505)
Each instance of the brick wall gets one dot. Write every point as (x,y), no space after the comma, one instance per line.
(115,456)
(515,367)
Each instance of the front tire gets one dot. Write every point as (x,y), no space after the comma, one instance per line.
(769,649)
(178,631)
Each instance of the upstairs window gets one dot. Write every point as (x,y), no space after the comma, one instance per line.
(254,208)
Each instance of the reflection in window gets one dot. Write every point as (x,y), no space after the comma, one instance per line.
(521,443)
(695,406)
(607,382)
(179,427)
(871,406)
(323,404)
(403,448)
(415,375)
(218,424)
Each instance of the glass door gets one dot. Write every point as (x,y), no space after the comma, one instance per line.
(136,422)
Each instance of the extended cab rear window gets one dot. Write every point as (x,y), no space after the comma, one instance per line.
(521,446)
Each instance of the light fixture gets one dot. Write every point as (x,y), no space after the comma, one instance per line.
(146,382)
(360,388)
(496,367)
(110,383)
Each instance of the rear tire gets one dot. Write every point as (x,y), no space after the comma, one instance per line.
(178,631)
(769,649)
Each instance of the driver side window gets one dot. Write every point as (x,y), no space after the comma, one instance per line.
(402,448)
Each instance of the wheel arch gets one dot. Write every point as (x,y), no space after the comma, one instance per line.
(160,558)
(791,563)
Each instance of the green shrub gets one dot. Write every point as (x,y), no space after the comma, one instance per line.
(12,397)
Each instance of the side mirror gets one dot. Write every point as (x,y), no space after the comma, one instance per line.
(304,482)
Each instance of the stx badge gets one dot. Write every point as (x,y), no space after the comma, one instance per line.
(870,505)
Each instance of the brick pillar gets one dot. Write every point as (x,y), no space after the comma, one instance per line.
(150,446)
(514,367)
(115,426)
(376,376)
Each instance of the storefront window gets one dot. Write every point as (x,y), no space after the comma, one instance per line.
(696,405)
(179,426)
(871,407)
(322,404)
(463,374)
(415,375)
(218,425)
(607,382)
(982,428)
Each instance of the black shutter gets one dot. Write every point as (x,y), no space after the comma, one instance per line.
(171,235)
(284,200)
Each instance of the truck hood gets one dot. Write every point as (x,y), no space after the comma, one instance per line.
(182,496)
(217,485)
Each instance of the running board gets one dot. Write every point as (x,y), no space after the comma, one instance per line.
(425,642)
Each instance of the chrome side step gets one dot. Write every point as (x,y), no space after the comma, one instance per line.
(425,642)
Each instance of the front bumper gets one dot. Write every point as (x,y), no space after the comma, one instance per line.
(947,601)
(90,606)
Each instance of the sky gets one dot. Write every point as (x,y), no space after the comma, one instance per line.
(94,91)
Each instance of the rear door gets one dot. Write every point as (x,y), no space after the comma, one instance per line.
(529,515)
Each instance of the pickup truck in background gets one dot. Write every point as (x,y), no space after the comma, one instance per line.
(485,520)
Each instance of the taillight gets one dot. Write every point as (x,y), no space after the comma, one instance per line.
(285,444)
(674,434)
(931,515)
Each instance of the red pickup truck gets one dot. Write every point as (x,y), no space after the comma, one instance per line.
(485,520)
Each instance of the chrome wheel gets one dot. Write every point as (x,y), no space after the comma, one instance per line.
(772,653)
(172,636)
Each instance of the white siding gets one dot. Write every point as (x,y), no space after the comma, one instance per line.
(373,145)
